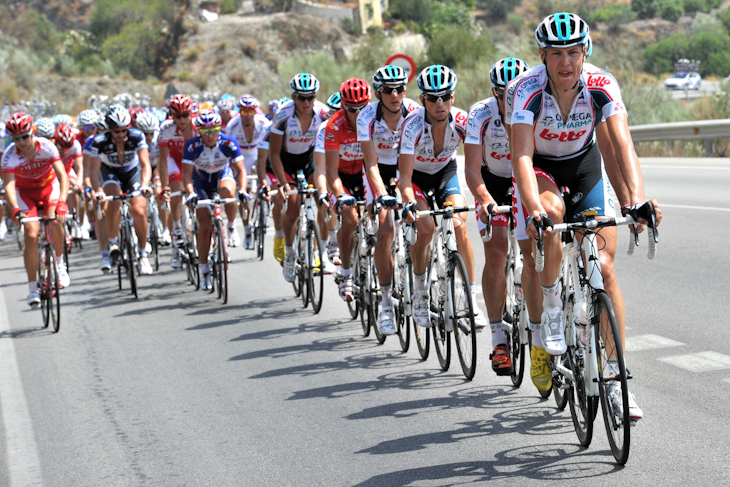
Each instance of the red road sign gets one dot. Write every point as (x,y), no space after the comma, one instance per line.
(403,61)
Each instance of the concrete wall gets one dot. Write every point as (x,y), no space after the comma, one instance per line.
(331,13)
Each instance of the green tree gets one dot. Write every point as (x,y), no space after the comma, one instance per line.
(455,46)
(614,15)
(706,45)
(660,57)
(419,11)
(670,9)
(645,9)
(498,9)
(724,17)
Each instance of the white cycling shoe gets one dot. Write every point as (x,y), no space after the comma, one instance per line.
(421,310)
(386,321)
(552,328)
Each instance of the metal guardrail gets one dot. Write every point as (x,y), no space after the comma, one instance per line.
(706,130)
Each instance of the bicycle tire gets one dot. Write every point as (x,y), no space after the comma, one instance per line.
(193,259)
(582,407)
(352,306)
(130,257)
(361,281)
(66,249)
(54,296)
(316,274)
(154,236)
(374,299)
(608,343)
(44,284)
(422,335)
(222,263)
(301,269)
(441,336)
(517,349)
(403,321)
(465,335)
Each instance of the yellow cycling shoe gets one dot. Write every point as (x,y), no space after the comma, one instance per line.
(279,250)
(539,370)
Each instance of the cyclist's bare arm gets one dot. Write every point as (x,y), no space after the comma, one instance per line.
(370,159)
(473,170)
(333,175)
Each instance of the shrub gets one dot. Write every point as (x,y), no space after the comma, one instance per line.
(660,57)
(454,46)
(249,47)
(670,9)
(614,15)
(645,9)
(515,22)
(192,53)
(498,9)
(184,76)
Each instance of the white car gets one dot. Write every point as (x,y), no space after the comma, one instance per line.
(683,80)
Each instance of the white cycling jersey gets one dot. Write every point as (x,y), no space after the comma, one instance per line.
(154,150)
(485,128)
(416,139)
(319,140)
(285,123)
(529,100)
(371,126)
(249,148)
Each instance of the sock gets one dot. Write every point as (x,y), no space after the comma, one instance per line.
(142,252)
(204,269)
(231,225)
(386,294)
(613,369)
(536,337)
(113,241)
(345,272)
(289,250)
(333,235)
(177,226)
(551,296)
(247,229)
(105,253)
(474,297)
(419,282)
(279,233)
(498,336)
(60,260)
(33,286)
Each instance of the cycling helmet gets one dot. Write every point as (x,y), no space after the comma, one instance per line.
(118,116)
(389,75)
(284,101)
(63,118)
(561,30)
(180,104)
(160,114)
(18,124)
(64,136)
(134,113)
(355,91)
(505,70)
(304,84)
(589,43)
(148,123)
(225,104)
(273,105)
(436,80)
(101,125)
(334,102)
(44,128)
(208,119)
(87,117)
(194,108)
(247,101)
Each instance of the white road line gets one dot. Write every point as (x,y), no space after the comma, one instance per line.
(694,168)
(649,342)
(24,466)
(687,207)
(699,362)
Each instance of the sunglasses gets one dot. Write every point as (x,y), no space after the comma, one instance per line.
(499,93)
(209,131)
(21,137)
(306,98)
(88,127)
(120,131)
(179,116)
(390,89)
(439,98)
(248,110)
(353,109)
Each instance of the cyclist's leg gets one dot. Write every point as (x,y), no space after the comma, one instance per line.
(31,232)
(111,215)
(227,189)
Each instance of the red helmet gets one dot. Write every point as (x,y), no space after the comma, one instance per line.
(64,136)
(355,91)
(19,123)
(180,104)
(133,112)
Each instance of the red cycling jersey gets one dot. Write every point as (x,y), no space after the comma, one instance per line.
(340,135)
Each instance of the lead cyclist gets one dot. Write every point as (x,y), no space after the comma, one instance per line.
(551,117)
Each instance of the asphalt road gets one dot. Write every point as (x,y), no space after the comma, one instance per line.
(174,389)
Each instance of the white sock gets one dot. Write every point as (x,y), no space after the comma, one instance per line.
(345,272)
(204,269)
(551,296)
(333,235)
(231,225)
(498,336)
(279,233)
(289,250)
(32,286)
(113,241)
(386,294)
(247,229)
(536,337)
(142,252)
(419,282)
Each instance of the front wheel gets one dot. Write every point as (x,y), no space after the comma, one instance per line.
(402,319)
(316,272)
(373,291)
(131,259)
(612,376)
(437,306)
(54,296)
(582,407)
(222,263)
(461,311)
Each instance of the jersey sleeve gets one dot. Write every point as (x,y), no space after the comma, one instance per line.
(278,125)
(477,122)
(523,105)
(365,121)
(605,93)
(189,154)
(231,149)
(7,166)
(409,134)
(331,136)
(264,142)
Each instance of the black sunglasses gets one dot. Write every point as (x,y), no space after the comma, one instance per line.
(21,137)
(181,115)
(390,89)
(353,109)
(120,131)
(306,98)
(439,98)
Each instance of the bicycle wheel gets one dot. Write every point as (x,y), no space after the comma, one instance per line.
(582,407)
(54,290)
(302,270)
(374,299)
(403,321)
(608,340)
(437,305)
(44,284)
(154,236)
(130,258)
(66,247)
(361,282)
(353,306)
(222,264)
(316,274)
(422,335)
(462,315)
(517,349)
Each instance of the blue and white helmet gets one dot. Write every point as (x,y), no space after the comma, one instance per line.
(44,127)
(247,101)
(147,123)
(334,102)
(436,80)
(505,70)
(63,119)
(561,30)
(304,84)
(389,75)
(87,118)
(226,103)
(208,119)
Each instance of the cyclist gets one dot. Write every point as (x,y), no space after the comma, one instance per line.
(33,174)
(291,146)
(173,135)
(72,157)
(120,164)
(225,106)
(430,137)
(489,176)
(378,131)
(344,172)
(273,106)
(247,129)
(206,170)
(87,125)
(552,112)
(328,229)
(149,124)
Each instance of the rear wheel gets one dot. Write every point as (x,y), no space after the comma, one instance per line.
(401,281)
(361,280)
(582,407)
(610,353)
(130,258)
(459,291)
(316,273)
(44,285)
(437,305)
(222,263)
(54,296)
(374,299)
